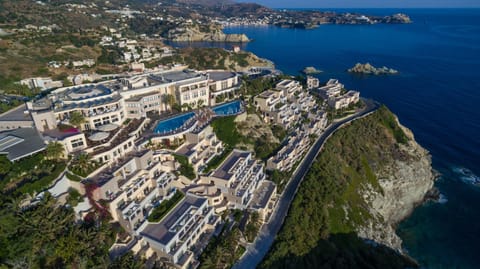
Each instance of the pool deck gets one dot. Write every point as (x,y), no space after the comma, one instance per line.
(194,125)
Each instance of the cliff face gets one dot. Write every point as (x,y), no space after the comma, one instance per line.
(368,177)
(404,183)
(211,33)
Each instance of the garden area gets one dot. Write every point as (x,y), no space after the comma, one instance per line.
(160,211)
(223,250)
(186,169)
(29,175)
(82,165)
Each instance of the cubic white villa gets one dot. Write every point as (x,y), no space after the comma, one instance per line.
(336,95)
(237,178)
(284,104)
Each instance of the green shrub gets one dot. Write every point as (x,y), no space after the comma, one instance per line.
(160,211)
(73,177)
(74,197)
(217,160)
(186,169)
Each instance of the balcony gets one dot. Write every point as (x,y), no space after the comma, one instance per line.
(101,112)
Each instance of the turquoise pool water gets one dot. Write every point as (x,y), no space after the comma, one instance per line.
(171,124)
(227,109)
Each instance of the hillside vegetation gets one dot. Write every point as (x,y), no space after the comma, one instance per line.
(214,58)
(319,231)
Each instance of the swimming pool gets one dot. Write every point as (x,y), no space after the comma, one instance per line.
(171,124)
(231,108)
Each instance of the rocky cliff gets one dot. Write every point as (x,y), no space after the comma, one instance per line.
(205,33)
(369,176)
(404,183)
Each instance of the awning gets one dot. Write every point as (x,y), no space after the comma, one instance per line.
(107,127)
(98,136)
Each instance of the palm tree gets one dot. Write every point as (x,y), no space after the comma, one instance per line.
(185,106)
(208,263)
(76,119)
(169,100)
(82,164)
(55,150)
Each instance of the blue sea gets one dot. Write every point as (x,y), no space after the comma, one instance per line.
(436,95)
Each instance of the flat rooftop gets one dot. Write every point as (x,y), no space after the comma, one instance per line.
(174,76)
(263,194)
(186,150)
(16,114)
(89,104)
(162,231)
(83,92)
(266,94)
(20,143)
(220,75)
(285,82)
(223,171)
(56,133)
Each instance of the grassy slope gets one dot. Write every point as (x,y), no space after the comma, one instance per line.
(317,233)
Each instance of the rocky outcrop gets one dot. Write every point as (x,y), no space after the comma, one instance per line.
(397,18)
(253,127)
(371,70)
(310,70)
(208,33)
(404,184)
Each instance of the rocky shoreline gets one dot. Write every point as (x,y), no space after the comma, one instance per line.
(406,184)
(369,69)
(209,33)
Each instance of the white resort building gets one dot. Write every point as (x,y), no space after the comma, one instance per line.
(176,234)
(336,95)
(200,147)
(237,178)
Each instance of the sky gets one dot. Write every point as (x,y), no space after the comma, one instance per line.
(366,3)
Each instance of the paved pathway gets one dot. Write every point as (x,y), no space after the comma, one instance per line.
(259,248)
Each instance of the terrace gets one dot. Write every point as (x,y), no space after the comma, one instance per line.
(85,105)
(226,170)
(83,92)
(120,137)
(108,173)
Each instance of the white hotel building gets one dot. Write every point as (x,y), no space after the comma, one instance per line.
(175,234)
(105,106)
(237,177)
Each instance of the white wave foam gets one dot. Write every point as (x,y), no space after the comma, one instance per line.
(466,175)
(442,199)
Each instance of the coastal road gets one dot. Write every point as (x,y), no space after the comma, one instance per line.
(259,248)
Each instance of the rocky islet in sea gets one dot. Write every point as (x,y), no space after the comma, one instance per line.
(369,69)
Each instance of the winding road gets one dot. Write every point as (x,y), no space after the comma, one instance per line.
(259,248)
